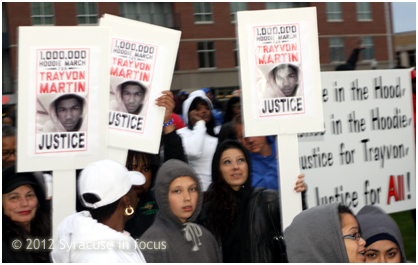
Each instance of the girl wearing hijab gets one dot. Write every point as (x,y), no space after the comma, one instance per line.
(174,237)
(245,220)
(328,234)
(384,242)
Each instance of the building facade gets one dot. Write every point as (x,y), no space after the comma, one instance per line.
(208,51)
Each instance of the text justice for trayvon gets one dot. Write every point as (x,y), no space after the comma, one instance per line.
(318,159)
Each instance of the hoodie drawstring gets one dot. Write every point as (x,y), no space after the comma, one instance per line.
(193,232)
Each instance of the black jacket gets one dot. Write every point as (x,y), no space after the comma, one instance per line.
(267,243)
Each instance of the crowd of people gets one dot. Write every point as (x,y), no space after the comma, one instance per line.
(210,195)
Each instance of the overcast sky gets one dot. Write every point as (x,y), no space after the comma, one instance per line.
(404,16)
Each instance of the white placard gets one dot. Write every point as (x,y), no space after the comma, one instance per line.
(62,106)
(367,153)
(142,65)
(279,59)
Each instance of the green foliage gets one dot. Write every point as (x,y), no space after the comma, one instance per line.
(406,223)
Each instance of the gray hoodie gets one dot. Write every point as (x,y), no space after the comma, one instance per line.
(177,241)
(375,223)
(315,236)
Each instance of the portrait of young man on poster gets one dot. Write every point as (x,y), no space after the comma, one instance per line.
(66,113)
(129,97)
(283,81)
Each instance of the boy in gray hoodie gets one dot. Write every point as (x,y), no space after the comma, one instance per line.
(174,237)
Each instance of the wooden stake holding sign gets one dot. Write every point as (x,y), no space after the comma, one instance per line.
(58,65)
(281,86)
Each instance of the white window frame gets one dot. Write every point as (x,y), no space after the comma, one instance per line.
(42,16)
(87,15)
(168,12)
(202,14)
(360,6)
(206,53)
(368,54)
(340,46)
(235,7)
(334,8)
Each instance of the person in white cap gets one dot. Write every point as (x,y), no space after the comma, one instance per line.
(98,235)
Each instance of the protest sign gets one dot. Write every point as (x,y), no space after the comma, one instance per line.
(281,86)
(366,155)
(62,105)
(141,66)
(61,97)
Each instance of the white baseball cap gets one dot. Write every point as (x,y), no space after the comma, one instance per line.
(108,180)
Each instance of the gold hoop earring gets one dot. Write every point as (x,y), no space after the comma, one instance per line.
(129,210)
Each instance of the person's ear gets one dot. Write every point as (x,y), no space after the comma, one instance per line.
(126,200)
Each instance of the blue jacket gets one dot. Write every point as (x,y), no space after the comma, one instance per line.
(265,169)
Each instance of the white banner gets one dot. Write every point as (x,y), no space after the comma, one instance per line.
(279,68)
(141,67)
(367,153)
(61,104)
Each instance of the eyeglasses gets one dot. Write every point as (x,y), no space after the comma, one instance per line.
(7,153)
(355,236)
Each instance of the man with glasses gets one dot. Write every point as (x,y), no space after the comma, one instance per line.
(8,145)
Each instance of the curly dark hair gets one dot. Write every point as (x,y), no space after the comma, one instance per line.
(153,161)
(221,200)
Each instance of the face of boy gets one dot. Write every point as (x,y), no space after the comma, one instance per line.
(69,113)
(287,80)
(183,197)
(132,97)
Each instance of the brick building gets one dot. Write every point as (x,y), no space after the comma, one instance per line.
(207,55)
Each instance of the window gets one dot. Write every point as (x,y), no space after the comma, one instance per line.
(203,12)
(368,52)
(364,12)
(236,6)
(277,5)
(334,11)
(159,13)
(87,13)
(42,13)
(336,47)
(206,52)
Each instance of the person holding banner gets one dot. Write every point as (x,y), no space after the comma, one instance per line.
(174,237)
(384,242)
(26,217)
(98,235)
(200,136)
(328,233)
(244,219)
(66,113)
(130,96)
